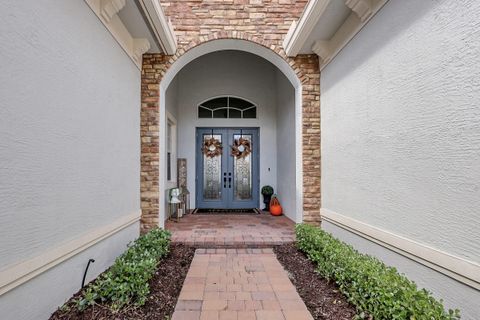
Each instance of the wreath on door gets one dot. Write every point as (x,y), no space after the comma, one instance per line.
(241,148)
(212,147)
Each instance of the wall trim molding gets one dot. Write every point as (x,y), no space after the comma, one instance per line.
(300,30)
(162,27)
(17,274)
(462,270)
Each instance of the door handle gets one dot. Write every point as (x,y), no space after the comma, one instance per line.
(224,182)
(229,182)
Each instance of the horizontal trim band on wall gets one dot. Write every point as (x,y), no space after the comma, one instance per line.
(20,273)
(460,269)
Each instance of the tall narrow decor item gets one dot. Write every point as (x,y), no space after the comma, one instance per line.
(182,172)
(182,184)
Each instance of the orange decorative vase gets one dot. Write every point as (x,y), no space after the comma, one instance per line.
(275,207)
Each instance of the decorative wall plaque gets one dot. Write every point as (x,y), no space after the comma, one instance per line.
(182,172)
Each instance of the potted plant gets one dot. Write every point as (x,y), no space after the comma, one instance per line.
(267,192)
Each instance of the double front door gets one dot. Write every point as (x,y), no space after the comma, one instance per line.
(227,170)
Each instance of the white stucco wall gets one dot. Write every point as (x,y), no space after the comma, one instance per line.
(69,146)
(171,98)
(286,179)
(401,127)
(232,73)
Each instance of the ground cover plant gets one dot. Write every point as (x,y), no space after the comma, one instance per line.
(164,287)
(371,286)
(126,282)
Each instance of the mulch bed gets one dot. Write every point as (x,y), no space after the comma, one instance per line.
(165,288)
(322,298)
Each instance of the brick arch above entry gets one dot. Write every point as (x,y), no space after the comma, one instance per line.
(294,63)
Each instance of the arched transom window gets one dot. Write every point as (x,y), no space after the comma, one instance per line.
(227,107)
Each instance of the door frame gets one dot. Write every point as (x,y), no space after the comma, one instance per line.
(255,166)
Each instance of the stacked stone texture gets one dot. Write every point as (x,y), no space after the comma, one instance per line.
(260,21)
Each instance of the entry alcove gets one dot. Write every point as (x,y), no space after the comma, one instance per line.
(233,89)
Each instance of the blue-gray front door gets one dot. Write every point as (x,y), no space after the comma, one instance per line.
(224,180)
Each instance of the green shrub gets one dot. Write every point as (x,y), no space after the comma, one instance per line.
(126,282)
(371,286)
(267,190)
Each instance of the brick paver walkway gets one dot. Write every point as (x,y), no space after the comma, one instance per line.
(238,284)
(235,231)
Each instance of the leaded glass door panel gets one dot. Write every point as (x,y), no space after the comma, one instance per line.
(227,179)
(243,165)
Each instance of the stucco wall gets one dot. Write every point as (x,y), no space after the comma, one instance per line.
(286,179)
(400,125)
(228,73)
(401,129)
(171,98)
(69,124)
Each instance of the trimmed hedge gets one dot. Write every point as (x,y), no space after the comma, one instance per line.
(126,282)
(371,286)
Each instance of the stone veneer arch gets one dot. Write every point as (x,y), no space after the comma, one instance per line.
(159,70)
(230,35)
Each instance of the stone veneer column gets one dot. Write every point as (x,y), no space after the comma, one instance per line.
(309,65)
(149,133)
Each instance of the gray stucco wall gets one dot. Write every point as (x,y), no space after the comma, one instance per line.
(400,125)
(171,98)
(69,126)
(69,146)
(401,133)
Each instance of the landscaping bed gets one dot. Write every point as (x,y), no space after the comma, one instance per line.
(165,286)
(322,298)
(376,290)
(335,281)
